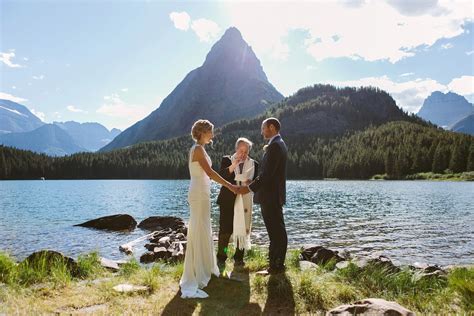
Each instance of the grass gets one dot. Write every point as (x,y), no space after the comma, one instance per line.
(36,289)
(447,175)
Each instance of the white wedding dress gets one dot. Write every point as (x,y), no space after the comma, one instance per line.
(200,258)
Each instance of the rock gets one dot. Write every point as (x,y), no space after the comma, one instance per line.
(147,257)
(119,222)
(324,255)
(163,222)
(164,241)
(50,257)
(307,265)
(151,246)
(109,264)
(130,288)
(178,252)
(180,236)
(342,264)
(432,268)
(371,306)
(161,233)
(307,252)
(93,309)
(126,248)
(161,253)
(381,261)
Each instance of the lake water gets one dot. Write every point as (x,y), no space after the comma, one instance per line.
(420,221)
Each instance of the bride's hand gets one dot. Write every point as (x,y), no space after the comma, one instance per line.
(234,189)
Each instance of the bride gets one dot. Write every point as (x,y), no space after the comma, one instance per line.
(200,258)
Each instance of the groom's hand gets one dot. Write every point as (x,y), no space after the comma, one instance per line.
(244,190)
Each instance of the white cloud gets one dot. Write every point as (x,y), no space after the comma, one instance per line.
(39,114)
(40,77)
(463,85)
(6,96)
(408,94)
(418,7)
(26,58)
(72,108)
(6,58)
(447,46)
(371,30)
(181,20)
(124,90)
(407,74)
(470,53)
(205,29)
(123,113)
(14,87)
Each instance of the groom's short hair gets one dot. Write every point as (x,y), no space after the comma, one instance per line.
(273,121)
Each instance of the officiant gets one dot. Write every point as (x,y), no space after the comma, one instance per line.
(235,219)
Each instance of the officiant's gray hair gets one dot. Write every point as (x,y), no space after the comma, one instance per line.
(243,140)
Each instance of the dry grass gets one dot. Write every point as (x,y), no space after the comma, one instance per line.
(295,292)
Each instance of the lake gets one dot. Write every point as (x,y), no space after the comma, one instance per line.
(407,221)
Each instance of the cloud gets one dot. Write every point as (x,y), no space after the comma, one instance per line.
(447,46)
(470,53)
(418,7)
(124,90)
(39,114)
(6,58)
(371,30)
(205,29)
(40,77)
(409,95)
(123,113)
(181,20)
(463,85)
(6,96)
(72,108)
(407,74)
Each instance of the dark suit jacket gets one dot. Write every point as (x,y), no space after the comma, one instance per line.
(270,184)
(225,195)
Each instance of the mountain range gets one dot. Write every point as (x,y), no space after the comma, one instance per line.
(350,133)
(22,129)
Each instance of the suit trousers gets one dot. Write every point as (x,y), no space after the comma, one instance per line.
(272,213)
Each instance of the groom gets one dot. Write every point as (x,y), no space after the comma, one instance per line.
(270,192)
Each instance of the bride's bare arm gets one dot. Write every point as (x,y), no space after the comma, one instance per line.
(199,156)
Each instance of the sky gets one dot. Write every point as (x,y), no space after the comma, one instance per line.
(113,62)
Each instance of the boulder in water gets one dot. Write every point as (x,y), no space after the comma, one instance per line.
(163,222)
(119,222)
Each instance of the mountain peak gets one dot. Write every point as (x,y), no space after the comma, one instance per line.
(445,109)
(232,33)
(231,54)
(230,78)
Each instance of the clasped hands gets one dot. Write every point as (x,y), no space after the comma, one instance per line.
(236,189)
